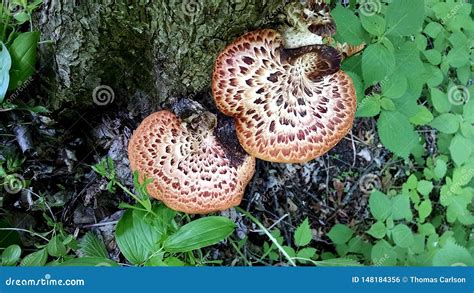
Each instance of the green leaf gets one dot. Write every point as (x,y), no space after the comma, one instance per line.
(379,205)
(373,24)
(383,254)
(433,56)
(23,54)
(136,236)
(56,247)
(5,65)
(422,117)
(92,246)
(303,234)
(424,210)
(307,252)
(401,207)
(377,230)
(387,104)
(424,187)
(460,149)
(337,262)
(89,262)
(35,259)
(440,100)
(402,235)
(446,123)
(440,168)
(433,29)
(377,63)
(199,233)
(349,29)
(368,107)
(452,255)
(396,133)
(340,234)
(11,255)
(405,17)
(394,86)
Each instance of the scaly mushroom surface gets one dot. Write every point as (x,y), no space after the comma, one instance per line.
(193,167)
(290,105)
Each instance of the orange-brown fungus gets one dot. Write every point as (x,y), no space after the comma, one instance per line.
(191,169)
(289,105)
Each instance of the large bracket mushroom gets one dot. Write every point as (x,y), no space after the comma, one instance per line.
(290,104)
(195,166)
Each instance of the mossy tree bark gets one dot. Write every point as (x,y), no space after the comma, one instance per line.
(155,49)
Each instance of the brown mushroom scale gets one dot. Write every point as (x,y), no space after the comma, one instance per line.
(289,105)
(191,170)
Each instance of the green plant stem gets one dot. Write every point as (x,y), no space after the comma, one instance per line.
(232,242)
(24,230)
(134,197)
(260,225)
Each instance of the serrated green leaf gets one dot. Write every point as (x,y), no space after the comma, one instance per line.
(424,187)
(377,63)
(379,205)
(383,254)
(340,234)
(394,86)
(91,246)
(424,210)
(303,234)
(446,123)
(368,107)
(401,207)
(402,235)
(460,149)
(452,255)
(373,24)
(349,29)
(405,17)
(377,230)
(422,117)
(396,133)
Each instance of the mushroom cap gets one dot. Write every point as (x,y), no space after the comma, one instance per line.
(192,171)
(289,105)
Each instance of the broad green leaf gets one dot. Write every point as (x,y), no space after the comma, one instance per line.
(422,117)
(387,104)
(440,168)
(5,65)
(401,207)
(402,235)
(394,86)
(349,29)
(199,233)
(446,123)
(424,210)
(433,29)
(368,107)
(89,262)
(424,187)
(440,100)
(303,234)
(340,234)
(307,252)
(460,149)
(373,24)
(379,205)
(452,255)
(405,17)
(377,230)
(11,255)
(377,63)
(383,254)
(56,247)
(137,236)
(35,259)
(91,246)
(23,54)
(396,133)
(433,56)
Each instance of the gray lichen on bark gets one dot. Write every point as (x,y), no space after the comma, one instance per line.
(156,48)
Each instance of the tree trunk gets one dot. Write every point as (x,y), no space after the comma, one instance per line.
(152,49)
